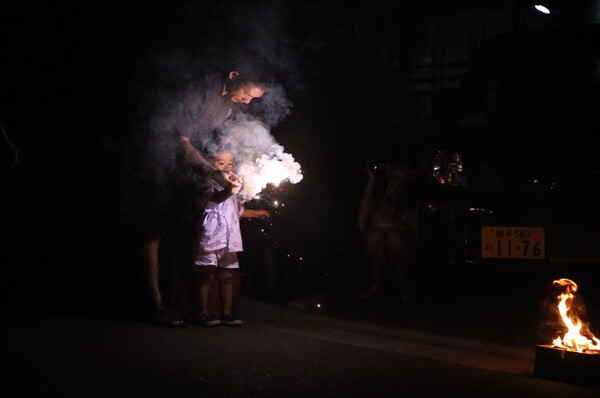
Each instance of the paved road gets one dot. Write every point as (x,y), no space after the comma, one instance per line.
(279,352)
(455,340)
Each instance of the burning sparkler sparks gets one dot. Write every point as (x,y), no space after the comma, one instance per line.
(273,168)
(260,160)
(578,336)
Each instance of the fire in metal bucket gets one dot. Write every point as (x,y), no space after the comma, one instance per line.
(577,336)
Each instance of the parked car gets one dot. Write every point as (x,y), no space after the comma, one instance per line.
(510,181)
(515,177)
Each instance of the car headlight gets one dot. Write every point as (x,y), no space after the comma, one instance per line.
(447,169)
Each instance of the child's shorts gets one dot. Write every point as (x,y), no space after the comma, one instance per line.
(217,258)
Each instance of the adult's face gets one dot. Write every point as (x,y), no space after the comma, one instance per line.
(400,174)
(246,93)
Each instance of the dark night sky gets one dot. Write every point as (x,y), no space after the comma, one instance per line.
(70,74)
(70,77)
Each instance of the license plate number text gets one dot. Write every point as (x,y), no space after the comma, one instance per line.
(513,242)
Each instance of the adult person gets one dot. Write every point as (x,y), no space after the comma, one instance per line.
(387,223)
(179,194)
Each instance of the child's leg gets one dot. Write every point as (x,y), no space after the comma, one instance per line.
(205,276)
(225,277)
(228,263)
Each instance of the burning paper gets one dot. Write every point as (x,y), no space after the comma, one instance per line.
(578,336)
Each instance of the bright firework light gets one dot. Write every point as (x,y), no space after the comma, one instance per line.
(542,8)
(269,170)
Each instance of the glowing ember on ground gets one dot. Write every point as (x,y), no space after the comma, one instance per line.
(578,336)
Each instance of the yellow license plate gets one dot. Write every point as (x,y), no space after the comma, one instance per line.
(513,242)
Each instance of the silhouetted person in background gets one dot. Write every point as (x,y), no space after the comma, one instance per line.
(387,217)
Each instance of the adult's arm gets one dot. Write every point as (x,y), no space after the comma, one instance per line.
(203,167)
(366,201)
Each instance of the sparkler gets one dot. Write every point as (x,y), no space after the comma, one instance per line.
(272,168)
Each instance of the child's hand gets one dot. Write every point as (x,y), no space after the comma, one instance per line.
(236,182)
(261,213)
(236,186)
(231,176)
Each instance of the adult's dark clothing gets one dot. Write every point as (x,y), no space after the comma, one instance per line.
(166,189)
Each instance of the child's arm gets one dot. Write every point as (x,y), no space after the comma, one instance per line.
(254,213)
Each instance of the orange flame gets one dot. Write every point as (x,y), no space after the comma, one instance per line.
(574,339)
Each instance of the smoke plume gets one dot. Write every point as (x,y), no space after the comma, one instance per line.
(182,94)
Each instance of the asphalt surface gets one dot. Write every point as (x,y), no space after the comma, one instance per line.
(71,331)
(382,335)
(280,351)
(521,314)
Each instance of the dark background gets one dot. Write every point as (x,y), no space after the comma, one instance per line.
(69,84)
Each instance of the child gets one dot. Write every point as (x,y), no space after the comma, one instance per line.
(219,243)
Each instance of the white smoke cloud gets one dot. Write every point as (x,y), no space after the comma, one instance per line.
(259,158)
(273,167)
(181,89)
